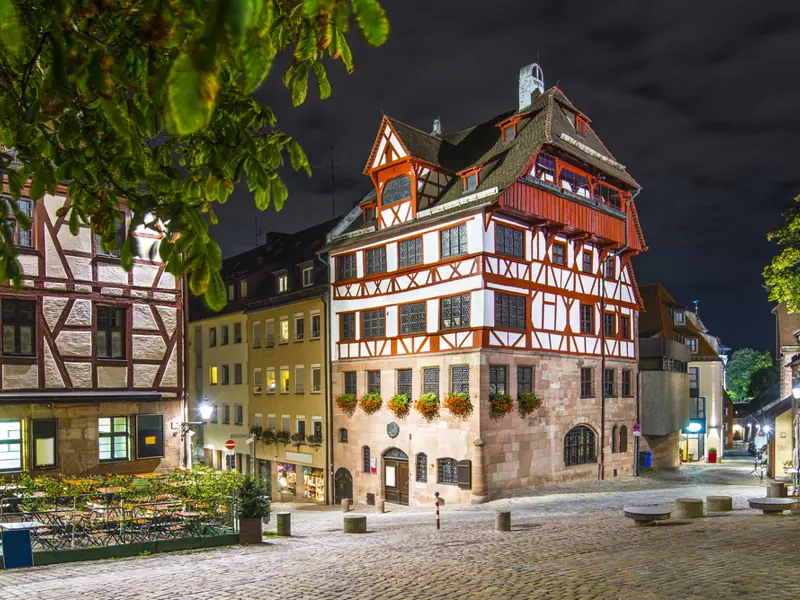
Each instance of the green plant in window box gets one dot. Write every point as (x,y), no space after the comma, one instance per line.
(399,406)
(459,405)
(527,403)
(347,404)
(283,437)
(500,405)
(371,403)
(252,509)
(298,439)
(269,436)
(314,441)
(255,430)
(427,405)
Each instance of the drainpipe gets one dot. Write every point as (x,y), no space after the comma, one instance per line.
(601,464)
(329,498)
(638,391)
(187,439)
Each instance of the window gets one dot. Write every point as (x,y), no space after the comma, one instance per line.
(587,262)
(694,378)
(679,317)
(343,435)
(497,380)
(625,327)
(627,388)
(19,327)
(24,237)
(271,422)
(316,380)
(212,337)
(609,268)
(607,195)
(231,292)
(113,438)
(470,182)
(285,380)
(316,426)
(271,380)
(256,381)
(509,132)
(299,329)
(524,379)
(430,380)
(447,471)
(373,323)
(610,383)
(623,438)
(587,319)
(396,189)
(454,312)
(239,414)
(580,125)
(237,333)
(579,446)
(270,335)
(609,322)
(422,467)
(614,439)
(214,414)
(226,375)
(454,241)
(149,436)
(285,423)
(282,282)
(692,343)
(587,382)
(346,267)
(212,376)
(243,288)
(350,382)
(45,443)
(110,340)
(119,226)
(226,414)
(509,311)
(365,459)
(224,336)
(237,374)
(10,446)
(375,260)
(404,382)
(300,425)
(410,252)
(299,379)
(308,276)
(373,382)
(509,241)
(315,326)
(284,332)
(413,318)
(348,327)
(559,254)
(697,408)
(459,379)
(545,167)
(256,335)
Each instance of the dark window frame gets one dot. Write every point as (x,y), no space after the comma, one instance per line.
(347,328)
(458,311)
(374,382)
(498,379)
(623,438)
(350,382)
(109,327)
(587,382)
(342,435)
(625,327)
(447,471)
(509,241)
(580,446)
(525,379)
(458,383)
(17,322)
(587,260)
(375,260)
(24,238)
(610,383)
(422,467)
(609,324)
(405,387)
(451,246)
(507,313)
(587,319)
(373,324)
(409,249)
(560,257)
(431,384)
(413,318)
(346,267)
(627,383)
(366,456)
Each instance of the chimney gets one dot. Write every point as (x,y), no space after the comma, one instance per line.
(437,127)
(531,78)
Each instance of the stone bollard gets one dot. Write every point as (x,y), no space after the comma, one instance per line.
(688,508)
(355,524)
(502,521)
(345,504)
(284,524)
(719,503)
(776,489)
(380,506)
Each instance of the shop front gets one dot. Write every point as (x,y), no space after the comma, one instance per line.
(693,438)
(299,483)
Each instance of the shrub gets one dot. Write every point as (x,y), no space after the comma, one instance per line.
(712,450)
(283,437)
(253,499)
(298,438)
(459,405)
(269,436)
(527,403)
(370,403)
(347,404)
(428,406)
(399,406)
(501,404)
(314,440)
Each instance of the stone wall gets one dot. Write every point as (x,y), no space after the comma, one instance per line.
(665,449)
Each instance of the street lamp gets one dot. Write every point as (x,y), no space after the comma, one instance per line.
(206,410)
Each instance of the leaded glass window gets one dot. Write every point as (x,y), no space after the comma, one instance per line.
(404,377)
(373,382)
(626,384)
(454,312)
(508,241)
(410,252)
(454,241)
(373,323)
(396,189)
(430,380)
(587,382)
(349,326)
(346,267)
(610,383)
(19,327)
(447,471)
(375,260)
(350,382)
(497,379)
(587,262)
(579,446)
(587,319)
(559,254)
(365,458)
(459,377)
(524,379)
(509,311)
(422,467)
(413,318)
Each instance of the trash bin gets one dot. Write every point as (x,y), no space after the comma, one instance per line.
(645,460)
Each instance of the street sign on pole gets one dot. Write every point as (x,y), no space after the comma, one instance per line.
(637,427)
(230,444)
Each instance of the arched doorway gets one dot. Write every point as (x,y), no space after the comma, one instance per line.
(343,485)
(395,476)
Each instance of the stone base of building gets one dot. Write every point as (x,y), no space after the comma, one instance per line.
(665,448)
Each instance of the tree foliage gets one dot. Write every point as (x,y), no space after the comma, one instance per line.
(107,95)
(762,379)
(742,365)
(782,275)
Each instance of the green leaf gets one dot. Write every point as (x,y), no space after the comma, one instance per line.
(198,224)
(306,47)
(262,198)
(74,224)
(312,7)
(300,86)
(225,189)
(257,62)
(322,80)
(11,33)
(200,276)
(279,192)
(372,21)
(215,294)
(115,116)
(237,21)
(125,255)
(297,157)
(36,190)
(344,51)
(214,254)
(190,96)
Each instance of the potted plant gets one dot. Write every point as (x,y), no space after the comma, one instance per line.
(527,403)
(298,439)
(283,437)
(315,441)
(712,455)
(459,405)
(371,403)
(256,431)
(347,404)
(252,509)
(427,405)
(269,436)
(500,405)
(398,405)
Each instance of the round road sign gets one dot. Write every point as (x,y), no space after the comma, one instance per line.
(230,444)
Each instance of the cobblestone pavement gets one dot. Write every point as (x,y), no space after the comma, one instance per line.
(570,544)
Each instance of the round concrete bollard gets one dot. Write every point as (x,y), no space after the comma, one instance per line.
(719,503)
(776,489)
(688,508)
(380,506)
(355,524)
(502,521)
(345,504)
(284,524)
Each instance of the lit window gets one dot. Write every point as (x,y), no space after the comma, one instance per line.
(243,289)
(308,276)
(284,332)
(285,380)
(271,380)
(212,375)
(23,237)
(283,282)
(44,443)
(10,446)
(113,438)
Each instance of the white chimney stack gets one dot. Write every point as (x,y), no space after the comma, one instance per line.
(437,127)
(530,78)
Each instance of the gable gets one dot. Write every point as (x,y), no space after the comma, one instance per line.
(387,148)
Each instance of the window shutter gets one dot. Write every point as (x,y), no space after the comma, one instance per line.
(465,474)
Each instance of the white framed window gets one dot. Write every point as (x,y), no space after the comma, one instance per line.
(258,421)
(231,292)
(299,379)
(114,438)
(10,446)
(271,380)
(316,379)
(300,424)
(284,330)
(316,426)
(308,276)
(299,328)
(257,335)
(286,380)
(679,317)
(257,380)
(285,422)
(282,282)
(316,325)
(271,421)
(692,343)
(243,288)
(269,338)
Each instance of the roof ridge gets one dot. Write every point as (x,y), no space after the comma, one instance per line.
(417,129)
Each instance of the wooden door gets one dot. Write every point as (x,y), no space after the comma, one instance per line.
(343,485)
(395,481)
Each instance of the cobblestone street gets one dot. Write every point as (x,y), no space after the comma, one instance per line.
(573,543)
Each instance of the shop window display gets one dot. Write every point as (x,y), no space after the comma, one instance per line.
(314,484)
(287,478)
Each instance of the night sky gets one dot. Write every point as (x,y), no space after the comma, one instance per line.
(698,99)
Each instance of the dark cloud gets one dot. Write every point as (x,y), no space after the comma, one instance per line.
(699,99)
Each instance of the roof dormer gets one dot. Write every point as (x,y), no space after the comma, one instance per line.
(508,128)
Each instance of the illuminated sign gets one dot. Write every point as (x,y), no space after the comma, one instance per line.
(695,426)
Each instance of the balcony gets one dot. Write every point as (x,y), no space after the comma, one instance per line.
(663,348)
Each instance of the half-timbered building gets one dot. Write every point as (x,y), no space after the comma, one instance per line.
(91,362)
(494,260)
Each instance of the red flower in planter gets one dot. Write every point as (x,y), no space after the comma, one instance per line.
(527,403)
(500,405)
(371,403)
(428,406)
(399,406)
(459,405)
(347,404)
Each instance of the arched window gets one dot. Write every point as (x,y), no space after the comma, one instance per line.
(623,438)
(343,435)
(422,467)
(614,438)
(365,459)
(447,471)
(396,189)
(579,446)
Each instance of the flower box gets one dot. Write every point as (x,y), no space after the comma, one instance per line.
(347,404)
(527,403)
(370,403)
(427,405)
(399,406)
(500,405)
(459,405)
